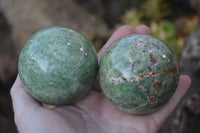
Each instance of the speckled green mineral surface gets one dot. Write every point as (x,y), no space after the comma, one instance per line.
(138,73)
(58,65)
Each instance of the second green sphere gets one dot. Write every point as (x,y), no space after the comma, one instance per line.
(139,73)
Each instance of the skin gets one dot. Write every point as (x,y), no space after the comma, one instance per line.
(93,113)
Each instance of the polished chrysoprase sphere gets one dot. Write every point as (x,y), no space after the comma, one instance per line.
(138,73)
(58,65)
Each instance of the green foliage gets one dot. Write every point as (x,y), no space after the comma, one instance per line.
(132,17)
(155,9)
(190,24)
(166,31)
(153,13)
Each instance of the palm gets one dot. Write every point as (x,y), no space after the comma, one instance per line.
(93,113)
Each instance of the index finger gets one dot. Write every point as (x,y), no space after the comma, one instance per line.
(123,31)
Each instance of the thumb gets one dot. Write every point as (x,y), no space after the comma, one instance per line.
(160,116)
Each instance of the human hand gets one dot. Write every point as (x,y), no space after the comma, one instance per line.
(93,113)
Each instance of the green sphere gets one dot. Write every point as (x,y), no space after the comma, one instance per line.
(58,65)
(138,73)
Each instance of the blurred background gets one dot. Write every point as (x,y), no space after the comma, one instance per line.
(174,21)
